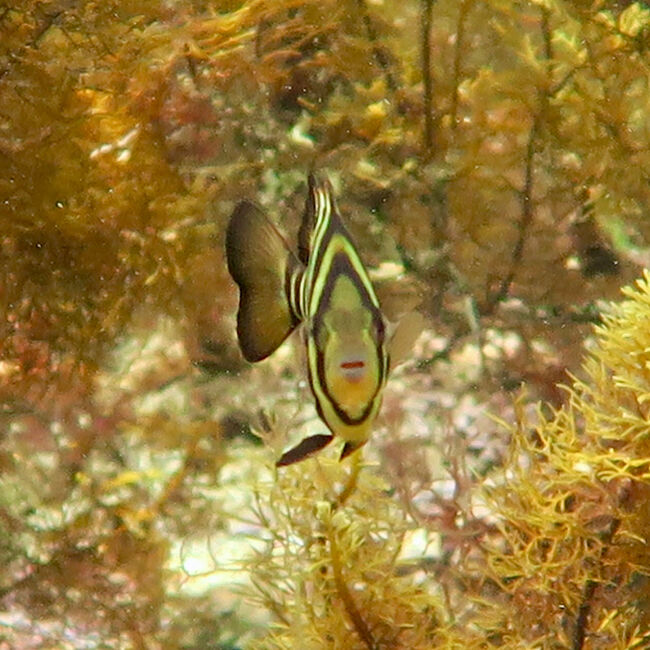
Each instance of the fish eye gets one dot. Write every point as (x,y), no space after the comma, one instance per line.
(378,329)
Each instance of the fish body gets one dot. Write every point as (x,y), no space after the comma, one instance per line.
(326,288)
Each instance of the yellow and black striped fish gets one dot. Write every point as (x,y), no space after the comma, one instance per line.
(327,288)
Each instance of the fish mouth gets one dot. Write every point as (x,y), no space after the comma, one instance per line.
(353,371)
(352,365)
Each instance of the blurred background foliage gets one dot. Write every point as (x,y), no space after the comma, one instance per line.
(492,162)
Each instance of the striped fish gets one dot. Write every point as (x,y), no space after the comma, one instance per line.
(325,287)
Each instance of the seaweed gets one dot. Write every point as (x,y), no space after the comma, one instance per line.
(491,160)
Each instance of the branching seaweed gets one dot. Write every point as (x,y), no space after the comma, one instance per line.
(456,135)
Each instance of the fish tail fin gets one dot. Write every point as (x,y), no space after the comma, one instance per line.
(264,268)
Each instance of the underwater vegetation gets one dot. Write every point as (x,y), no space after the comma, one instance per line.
(491,160)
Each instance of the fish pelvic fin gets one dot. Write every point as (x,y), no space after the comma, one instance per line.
(304,449)
(267,273)
(349,448)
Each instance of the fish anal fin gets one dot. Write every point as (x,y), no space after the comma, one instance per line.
(259,261)
(304,449)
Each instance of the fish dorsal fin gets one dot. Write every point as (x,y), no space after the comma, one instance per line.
(319,204)
(307,224)
(262,265)
(404,336)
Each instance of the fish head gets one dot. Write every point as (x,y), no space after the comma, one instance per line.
(351,342)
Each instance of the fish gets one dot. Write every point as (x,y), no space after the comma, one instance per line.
(324,286)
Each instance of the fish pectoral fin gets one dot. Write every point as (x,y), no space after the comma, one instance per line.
(304,449)
(260,262)
(398,294)
(350,447)
(404,337)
